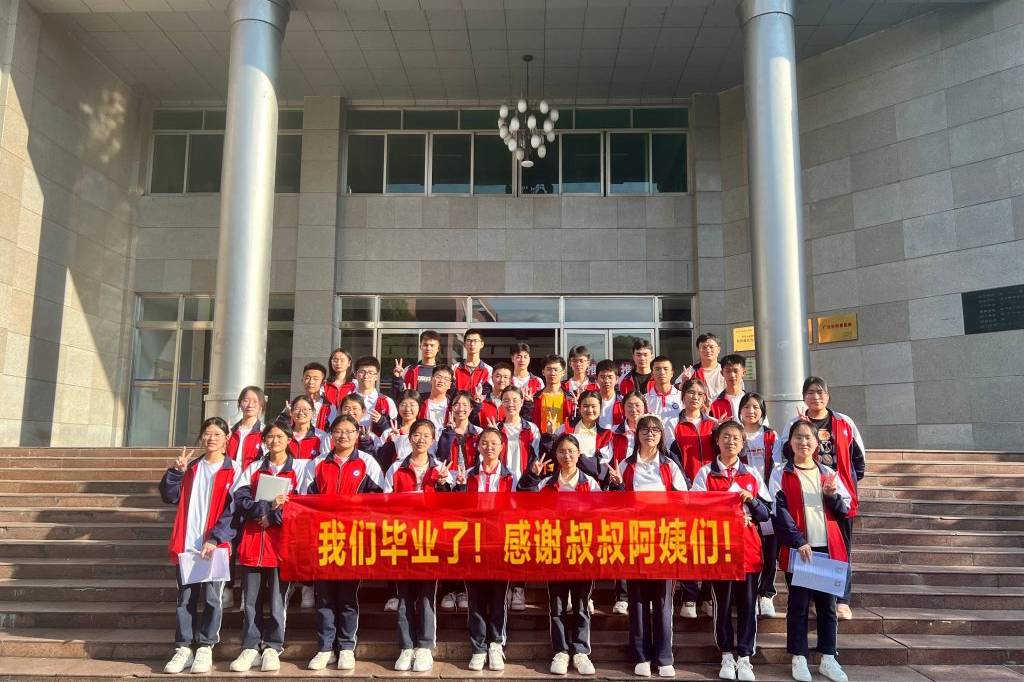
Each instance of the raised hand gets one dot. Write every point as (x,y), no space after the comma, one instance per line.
(614,475)
(491,424)
(478,393)
(830,487)
(287,406)
(527,393)
(183,459)
(375,416)
(539,465)
(801,413)
(549,425)
(449,421)
(399,369)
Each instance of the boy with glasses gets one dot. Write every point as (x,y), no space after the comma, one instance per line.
(380,409)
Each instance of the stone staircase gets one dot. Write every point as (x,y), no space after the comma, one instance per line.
(84,580)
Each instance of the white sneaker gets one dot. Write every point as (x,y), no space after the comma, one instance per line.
(708,608)
(422,660)
(476,661)
(744,670)
(800,671)
(688,610)
(728,671)
(346,660)
(448,602)
(583,665)
(391,604)
(518,599)
(404,661)
(227,598)
(271,660)
(181,659)
(666,671)
(321,660)
(462,599)
(244,661)
(495,656)
(831,669)
(560,663)
(766,607)
(642,669)
(203,661)
(590,604)
(621,608)
(308,601)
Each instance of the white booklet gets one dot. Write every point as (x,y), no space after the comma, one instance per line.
(820,573)
(194,569)
(270,487)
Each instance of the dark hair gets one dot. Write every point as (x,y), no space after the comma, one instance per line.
(755,397)
(607,366)
(368,361)
(511,387)
(579,352)
(423,422)
(552,359)
(344,418)
(643,421)
(443,369)
(708,336)
(787,449)
(694,381)
(502,364)
(260,395)
(722,426)
(331,374)
(733,359)
(589,394)
(314,365)
(461,394)
(662,358)
(473,332)
(281,424)
(430,335)
(563,438)
(632,394)
(641,344)
(355,399)
(306,399)
(814,381)
(486,430)
(213,421)
(518,348)
(408,394)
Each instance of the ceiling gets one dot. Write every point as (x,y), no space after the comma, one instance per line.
(459,51)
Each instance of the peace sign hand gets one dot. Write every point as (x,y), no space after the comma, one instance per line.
(539,466)
(491,424)
(399,369)
(614,475)
(449,421)
(478,393)
(527,393)
(801,414)
(830,487)
(183,459)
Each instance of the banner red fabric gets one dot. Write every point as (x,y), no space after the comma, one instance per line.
(542,536)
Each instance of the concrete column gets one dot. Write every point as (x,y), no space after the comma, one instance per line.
(776,203)
(238,356)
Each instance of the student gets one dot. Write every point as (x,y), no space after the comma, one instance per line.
(634,406)
(638,379)
(417,612)
(570,629)
(339,377)
(344,470)
(307,441)
(435,407)
(259,552)
(663,399)
(528,383)
(841,449)
(367,373)
(489,409)
(649,467)
(313,375)
(369,442)
(552,407)
(611,401)
(727,473)
(472,375)
(758,455)
(727,404)
(707,369)
(246,442)
(810,498)
(395,441)
(488,600)
(595,441)
(579,364)
(201,489)
(417,377)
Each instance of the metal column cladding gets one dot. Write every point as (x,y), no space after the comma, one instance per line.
(776,199)
(238,355)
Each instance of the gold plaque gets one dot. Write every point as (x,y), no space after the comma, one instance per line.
(742,339)
(835,328)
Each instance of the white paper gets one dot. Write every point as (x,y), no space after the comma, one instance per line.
(194,569)
(270,487)
(820,573)
(767,528)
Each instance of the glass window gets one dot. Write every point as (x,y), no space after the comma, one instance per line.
(608,309)
(594,341)
(189,417)
(677,344)
(622,344)
(159,309)
(358,342)
(445,119)
(507,309)
(194,359)
(289,119)
(492,166)
(542,178)
(205,155)
(356,309)
(406,164)
(150,416)
(450,165)
(422,309)
(289,164)
(214,120)
(565,119)
(373,119)
(668,161)
(279,356)
(168,175)
(628,163)
(155,355)
(676,308)
(198,309)
(581,167)
(601,118)
(177,119)
(365,164)
(282,308)
(478,119)
(660,118)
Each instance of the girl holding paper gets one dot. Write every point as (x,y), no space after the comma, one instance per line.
(727,473)
(809,501)
(260,494)
(201,489)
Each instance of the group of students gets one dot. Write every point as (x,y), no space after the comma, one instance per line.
(473,427)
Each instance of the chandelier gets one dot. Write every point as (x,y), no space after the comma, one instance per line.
(524,127)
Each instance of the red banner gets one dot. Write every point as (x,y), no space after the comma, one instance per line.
(514,536)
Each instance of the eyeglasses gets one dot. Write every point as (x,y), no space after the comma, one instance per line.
(367,373)
(650,429)
(348,432)
(302,410)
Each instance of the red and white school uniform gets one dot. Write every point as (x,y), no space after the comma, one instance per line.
(519,445)
(468,378)
(375,400)
(415,378)
(357,473)
(726,407)
(628,384)
(245,447)
(611,412)
(693,444)
(449,447)
(531,383)
(314,442)
(335,394)
(499,480)
(712,378)
(437,412)
(666,405)
(570,385)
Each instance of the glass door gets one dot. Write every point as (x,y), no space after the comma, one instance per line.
(622,341)
(596,341)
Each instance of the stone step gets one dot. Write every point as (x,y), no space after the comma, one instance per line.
(934,508)
(100,453)
(942,481)
(944,466)
(151,475)
(945,522)
(79,515)
(28,530)
(78,500)
(76,549)
(140,488)
(52,462)
(912,493)
(930,538)
(943,456)
(941,556)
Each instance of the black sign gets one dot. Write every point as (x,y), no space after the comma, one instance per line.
(993,310)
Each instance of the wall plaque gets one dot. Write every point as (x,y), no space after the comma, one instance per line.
(993,310)
(742,339)
(835,328)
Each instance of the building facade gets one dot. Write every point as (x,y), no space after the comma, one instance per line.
(395,213)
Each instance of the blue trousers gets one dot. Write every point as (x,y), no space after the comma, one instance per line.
(650,621)
(193,627)
(337,614)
